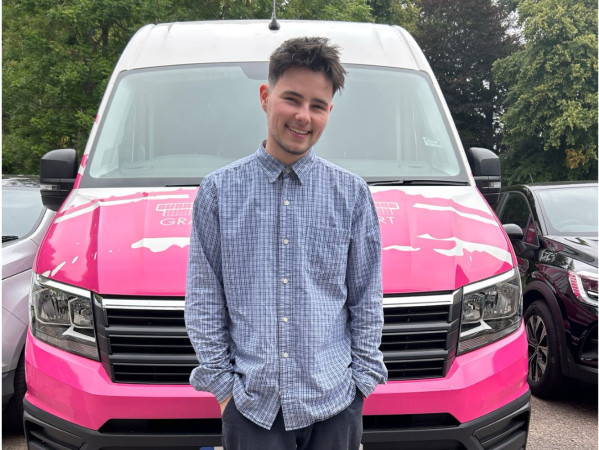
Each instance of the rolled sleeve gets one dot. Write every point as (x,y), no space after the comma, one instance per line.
(365,296)
(205,303)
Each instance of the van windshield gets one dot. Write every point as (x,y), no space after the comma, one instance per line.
(174,125)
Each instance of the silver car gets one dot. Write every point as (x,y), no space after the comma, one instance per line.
(24,222)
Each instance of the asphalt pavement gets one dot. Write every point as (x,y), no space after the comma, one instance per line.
(566,422)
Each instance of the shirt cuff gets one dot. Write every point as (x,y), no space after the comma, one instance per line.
(222,387)
(365,385)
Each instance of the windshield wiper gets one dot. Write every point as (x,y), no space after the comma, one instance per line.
(9,238)
(417,181)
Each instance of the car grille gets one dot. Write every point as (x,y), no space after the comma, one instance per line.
(145,340)
(588,352)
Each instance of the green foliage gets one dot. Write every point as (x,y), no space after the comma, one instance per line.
(57,58)
(341,10)
(551,104)
(395,12)
(461,40)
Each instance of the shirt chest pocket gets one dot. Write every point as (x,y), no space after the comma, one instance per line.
(326,253)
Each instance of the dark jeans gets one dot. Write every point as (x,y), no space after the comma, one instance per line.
(340,432)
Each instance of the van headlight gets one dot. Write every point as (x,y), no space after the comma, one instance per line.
(62,316)
(491,309)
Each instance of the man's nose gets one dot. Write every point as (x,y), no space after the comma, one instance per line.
(303,114)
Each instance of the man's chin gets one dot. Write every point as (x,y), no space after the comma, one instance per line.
(296,151)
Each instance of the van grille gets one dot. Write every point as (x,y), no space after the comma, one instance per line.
(420,335)
(145,340)
(145,344)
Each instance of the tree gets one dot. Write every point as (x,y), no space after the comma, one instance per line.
(461,40)
(395,12)
(57,58)
(551,105)
(342,10)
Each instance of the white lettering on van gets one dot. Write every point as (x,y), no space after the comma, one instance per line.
(175,221)
(461,245)
(385,211)
(156,245)
(175,213)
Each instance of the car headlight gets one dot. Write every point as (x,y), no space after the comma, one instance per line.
(491,309)
(62,316)
(584,286)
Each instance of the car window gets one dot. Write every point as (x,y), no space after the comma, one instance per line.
(21,210)
(175,125)
(570,211)
(516,210)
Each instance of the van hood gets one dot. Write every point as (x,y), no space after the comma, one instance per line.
(135,243)
(121,241)
(439,238)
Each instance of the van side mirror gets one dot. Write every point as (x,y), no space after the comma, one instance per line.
(57,176)
(487,172)
(514,232)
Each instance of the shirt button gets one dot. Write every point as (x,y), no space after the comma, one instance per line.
(285,241)
(286,202)
(287,170)
(285,319)
(285,355)
(285,281)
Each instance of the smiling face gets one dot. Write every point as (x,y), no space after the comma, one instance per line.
(297,110)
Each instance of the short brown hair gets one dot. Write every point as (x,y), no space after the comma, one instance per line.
(314,53)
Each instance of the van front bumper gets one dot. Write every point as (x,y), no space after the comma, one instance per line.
(482,403)
(506,428)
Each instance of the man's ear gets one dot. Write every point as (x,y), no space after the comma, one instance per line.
(263,95)
(330,108)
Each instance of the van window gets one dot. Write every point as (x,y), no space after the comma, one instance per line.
(174,125)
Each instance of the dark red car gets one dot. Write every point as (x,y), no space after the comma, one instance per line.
(557,258)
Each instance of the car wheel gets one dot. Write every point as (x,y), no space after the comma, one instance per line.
(13,414)
(544,374)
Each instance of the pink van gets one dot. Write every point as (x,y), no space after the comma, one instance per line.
(107,356)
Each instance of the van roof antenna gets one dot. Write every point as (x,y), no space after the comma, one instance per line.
(274,25)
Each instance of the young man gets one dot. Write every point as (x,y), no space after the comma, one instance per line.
(284,292)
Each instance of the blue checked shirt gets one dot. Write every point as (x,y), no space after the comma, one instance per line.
(284,295)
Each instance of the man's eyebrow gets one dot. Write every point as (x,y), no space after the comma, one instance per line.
(297,94)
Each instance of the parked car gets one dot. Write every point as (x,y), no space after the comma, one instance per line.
(24,222)
(557,258)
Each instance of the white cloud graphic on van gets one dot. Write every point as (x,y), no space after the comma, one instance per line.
(461,245)
(402,248)
(455,211)
(162,244)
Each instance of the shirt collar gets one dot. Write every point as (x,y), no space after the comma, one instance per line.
(273,167)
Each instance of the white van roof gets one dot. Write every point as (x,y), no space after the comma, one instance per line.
(251,40)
